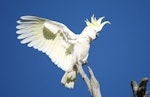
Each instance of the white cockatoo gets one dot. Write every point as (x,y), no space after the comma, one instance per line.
(56,40)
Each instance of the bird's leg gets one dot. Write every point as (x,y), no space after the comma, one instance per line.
(85,61)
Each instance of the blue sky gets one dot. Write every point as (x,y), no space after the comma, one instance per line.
(120,54)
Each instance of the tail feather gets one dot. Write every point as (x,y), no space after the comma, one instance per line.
(69,78)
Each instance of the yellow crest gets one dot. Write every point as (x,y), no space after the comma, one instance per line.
(94,21)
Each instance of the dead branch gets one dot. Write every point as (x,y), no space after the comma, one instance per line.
(92,83)
(140,90)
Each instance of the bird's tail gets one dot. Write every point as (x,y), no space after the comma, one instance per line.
(69,78)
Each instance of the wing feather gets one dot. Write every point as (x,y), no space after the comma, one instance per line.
(35,43)
(48,36)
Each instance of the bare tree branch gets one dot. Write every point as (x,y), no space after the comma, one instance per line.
(140,90)
(94,87)
(91,83)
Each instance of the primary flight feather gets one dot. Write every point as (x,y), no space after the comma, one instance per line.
(64,47)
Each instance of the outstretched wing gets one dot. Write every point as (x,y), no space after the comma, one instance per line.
(50,37)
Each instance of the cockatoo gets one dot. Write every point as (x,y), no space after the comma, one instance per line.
(56,40)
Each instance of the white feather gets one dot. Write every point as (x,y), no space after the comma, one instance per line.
(24,35)
(55,44)
(40,45)
(35,42)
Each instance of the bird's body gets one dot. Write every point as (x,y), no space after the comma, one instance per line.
(63,47)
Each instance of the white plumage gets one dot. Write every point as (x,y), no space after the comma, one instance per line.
(63,47)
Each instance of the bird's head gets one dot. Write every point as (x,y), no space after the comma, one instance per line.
(95,26)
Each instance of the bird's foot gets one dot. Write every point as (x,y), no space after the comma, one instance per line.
(85,62)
